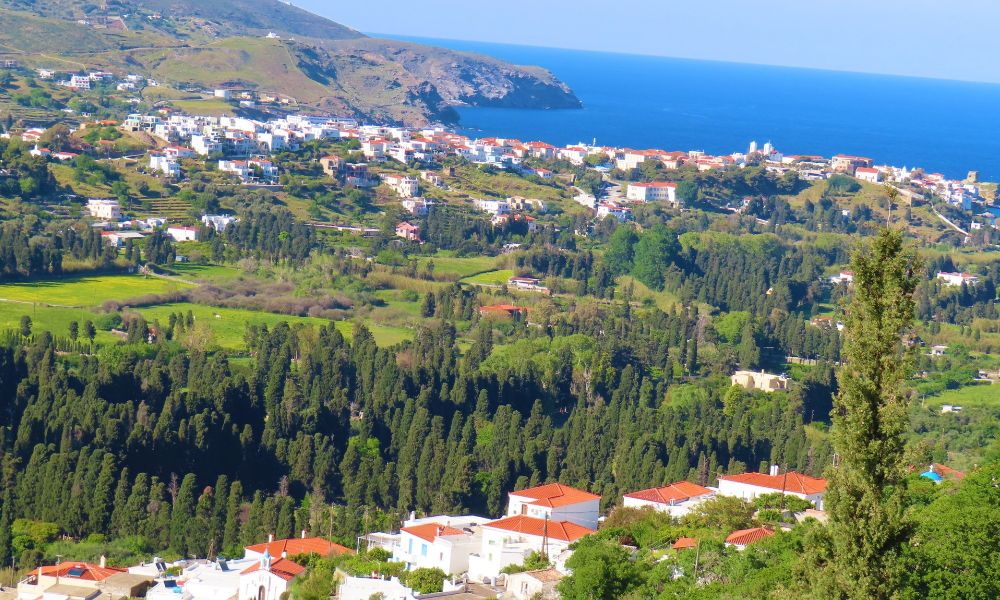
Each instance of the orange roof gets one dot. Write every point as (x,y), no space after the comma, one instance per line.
(507,308)
(82,571)
(431,531)
(555,494)
(557,530)
(293,546)
(281,567)
(744,537)
(684,543)
(793,482)
(680,491)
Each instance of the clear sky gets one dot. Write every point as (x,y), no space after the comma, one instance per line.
(950,39)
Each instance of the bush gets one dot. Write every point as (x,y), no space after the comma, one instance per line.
(424,581)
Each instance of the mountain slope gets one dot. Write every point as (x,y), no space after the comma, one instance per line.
(318,63)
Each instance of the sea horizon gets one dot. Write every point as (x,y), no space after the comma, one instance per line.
(647,101)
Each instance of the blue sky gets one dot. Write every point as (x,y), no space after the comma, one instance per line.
(950,39)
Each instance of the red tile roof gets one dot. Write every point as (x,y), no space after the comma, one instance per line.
(505,308)
(680,491)
(88,572)
(557,530)
(793,482)
(684,543)
(431,531)
(555,494)
(294,546)
(282,567)
(744,537)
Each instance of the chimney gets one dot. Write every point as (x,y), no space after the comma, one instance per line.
(270,538)
(303,534)
(104,561)
(775,470)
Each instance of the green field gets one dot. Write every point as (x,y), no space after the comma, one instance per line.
(86,291)
(490,277)
(229,324)
(44,318)
(200,272)
(459,267)
(968,396)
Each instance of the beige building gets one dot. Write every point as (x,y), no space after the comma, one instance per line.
(534,584)
(765,382)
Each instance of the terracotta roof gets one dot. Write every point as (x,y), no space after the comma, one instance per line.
(793,482)
(282,567)
(293,546)
(507,308)
(680,491)
(555,494)
(431,531)
(684,543)
(557,530)
(545,575)
(745,537)
(81,571)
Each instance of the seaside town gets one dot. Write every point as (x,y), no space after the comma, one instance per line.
(243,148)
(479,556)
(294,311)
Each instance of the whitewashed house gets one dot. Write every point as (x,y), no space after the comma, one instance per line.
(676,499)
(750,485)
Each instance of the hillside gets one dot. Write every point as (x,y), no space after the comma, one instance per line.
(317,63)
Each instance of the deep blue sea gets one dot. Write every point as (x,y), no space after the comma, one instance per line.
(651,102)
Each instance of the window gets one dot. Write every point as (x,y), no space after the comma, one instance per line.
(409,546)
(261,594)
(423,549)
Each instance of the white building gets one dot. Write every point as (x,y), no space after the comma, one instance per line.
(104,209)
(765,382)
(166,165)
(217,222)
(843,277)
(405,186)
(556,502)
(957,279)
(652,192)
(416,206)
(529,585)
(606,209)
(268,578)
(676,499)
(494,207)
(750,485)
(437,545)
(183,234)
(869,174)
(510,540)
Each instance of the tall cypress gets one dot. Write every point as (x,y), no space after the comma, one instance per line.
(868,527)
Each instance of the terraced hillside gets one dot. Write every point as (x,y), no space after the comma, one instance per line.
(318,63)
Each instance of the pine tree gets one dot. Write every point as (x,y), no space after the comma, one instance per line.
(868,527)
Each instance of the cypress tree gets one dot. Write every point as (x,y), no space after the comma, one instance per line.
(182,513)
(231,531)
(868,527)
